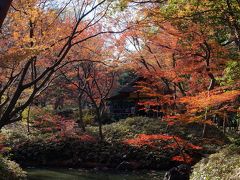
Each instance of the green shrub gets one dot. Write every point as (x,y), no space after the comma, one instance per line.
(88,117)
(132,126)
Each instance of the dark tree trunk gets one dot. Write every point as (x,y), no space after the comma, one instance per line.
(98,113)
(212,83)
(80,114)
(59,101)
(204,124)
(224,122)
(4,6)
(28,120)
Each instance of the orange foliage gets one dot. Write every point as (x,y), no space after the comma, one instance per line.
(185,118)
(179,65)
(210,99)
(174,142)
(144,139)
(182,159)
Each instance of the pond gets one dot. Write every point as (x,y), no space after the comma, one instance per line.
(74,174)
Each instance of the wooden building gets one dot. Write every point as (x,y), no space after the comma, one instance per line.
(124,102)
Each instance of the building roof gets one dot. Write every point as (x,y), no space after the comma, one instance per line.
(126,90)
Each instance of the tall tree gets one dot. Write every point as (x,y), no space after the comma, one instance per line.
(4,6)
(35,51)
(182,48)
(95,81)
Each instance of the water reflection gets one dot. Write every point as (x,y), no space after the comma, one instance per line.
(71,174)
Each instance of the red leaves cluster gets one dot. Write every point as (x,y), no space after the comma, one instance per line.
(170,123)
(173,142)
(48,123)
(87,138)
(144,139)
(182,159)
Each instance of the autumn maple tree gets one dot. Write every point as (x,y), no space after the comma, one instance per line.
(37,40)
(187,53)
(94,81)
(63,60)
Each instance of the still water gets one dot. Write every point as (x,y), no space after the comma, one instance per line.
(71,174)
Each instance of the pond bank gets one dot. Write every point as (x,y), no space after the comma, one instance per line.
(136,143)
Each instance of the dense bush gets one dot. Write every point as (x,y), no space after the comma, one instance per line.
(88,117)
(10,170)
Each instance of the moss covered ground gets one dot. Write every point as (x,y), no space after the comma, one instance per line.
(223,165)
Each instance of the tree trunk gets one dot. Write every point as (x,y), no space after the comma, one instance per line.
(224,122)
(204,130)
(204,123)
(99,123)
(59,101)
(80,114)
(181,149)
(4,6)
(28,120)
(212,82)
